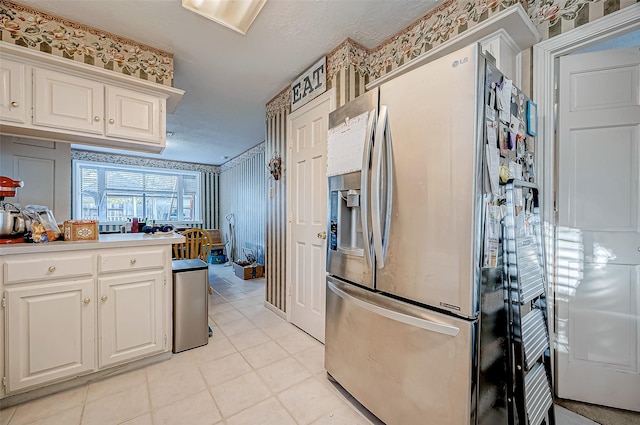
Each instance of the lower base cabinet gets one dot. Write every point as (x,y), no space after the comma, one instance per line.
(73,313)
(130,317)
(50,332)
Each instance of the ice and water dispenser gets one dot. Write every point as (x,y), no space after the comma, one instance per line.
(346,247)
(346,222)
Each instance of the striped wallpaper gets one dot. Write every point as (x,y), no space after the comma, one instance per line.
(243,200)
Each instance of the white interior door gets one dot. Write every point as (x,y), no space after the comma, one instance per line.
(598,246)
(307,188)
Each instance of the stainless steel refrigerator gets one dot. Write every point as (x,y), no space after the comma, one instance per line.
(415,319)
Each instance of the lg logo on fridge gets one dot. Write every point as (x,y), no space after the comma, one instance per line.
(460,62)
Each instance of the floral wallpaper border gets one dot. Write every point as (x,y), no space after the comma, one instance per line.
(37,30)
(279,103)
(77,154)
(446,21)
(347,54)
(256,150)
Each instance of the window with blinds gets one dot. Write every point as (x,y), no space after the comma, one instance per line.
(116,193)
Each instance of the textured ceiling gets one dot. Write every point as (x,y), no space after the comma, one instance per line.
(228,77)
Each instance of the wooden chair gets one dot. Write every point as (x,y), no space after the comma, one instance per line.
(216,240)
(197,245)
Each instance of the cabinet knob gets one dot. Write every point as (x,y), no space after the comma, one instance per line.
(111,121)
(96,118)
(133,261)
(14,104)
(86,300)
(52,269)
(103,298)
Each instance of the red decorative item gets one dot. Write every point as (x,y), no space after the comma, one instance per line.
(8,186)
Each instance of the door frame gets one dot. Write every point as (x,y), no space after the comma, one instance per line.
(329,95)
(546,55)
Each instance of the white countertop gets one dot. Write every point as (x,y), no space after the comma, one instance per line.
(113,240)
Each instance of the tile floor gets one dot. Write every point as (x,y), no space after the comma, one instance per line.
(257,369)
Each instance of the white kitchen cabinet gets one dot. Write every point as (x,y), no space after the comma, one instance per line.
(67,102)
(130,316)
(50,331)
(131,285)
(13,91)
(134,115)
(72,102)
(80,308)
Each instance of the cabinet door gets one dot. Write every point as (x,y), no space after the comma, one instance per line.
(12,91)
(130,321)
(67,102)
(133,115)
(50,332)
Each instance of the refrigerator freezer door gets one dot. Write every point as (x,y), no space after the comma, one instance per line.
(406,364)
(433,255)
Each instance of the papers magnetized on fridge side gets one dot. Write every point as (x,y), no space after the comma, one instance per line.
(345,145)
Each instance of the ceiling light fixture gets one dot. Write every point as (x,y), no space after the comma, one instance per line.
(235,14)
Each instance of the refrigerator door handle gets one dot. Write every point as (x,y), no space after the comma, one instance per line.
(380,239)
(364,186)
(389,183)
(394,315)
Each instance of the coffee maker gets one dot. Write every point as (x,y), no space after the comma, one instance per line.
(12,223)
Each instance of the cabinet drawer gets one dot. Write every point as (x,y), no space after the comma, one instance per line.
(134,260)
(47,267)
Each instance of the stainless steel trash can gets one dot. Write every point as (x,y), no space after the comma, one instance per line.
(190,304)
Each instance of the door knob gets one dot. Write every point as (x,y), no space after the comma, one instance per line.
(322,235)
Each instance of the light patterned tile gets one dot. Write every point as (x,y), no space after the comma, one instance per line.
(222,317)
(312,359)
(198,409)
(117,408)
(249,339)
(238,394)
(297,342)
(115,384)
(266,318)
(236,326)
(140,420)
(268,412)
(278,329)
(255,301)
(176,387)
(67,417)
(6,414)
(43,407)
(309,400)
(344,415)
(283,374)
(264,354)
(251,311)
(224,369)
(220,308)
(177,364)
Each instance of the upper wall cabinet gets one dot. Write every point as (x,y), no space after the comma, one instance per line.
(12,91)
(43,96)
